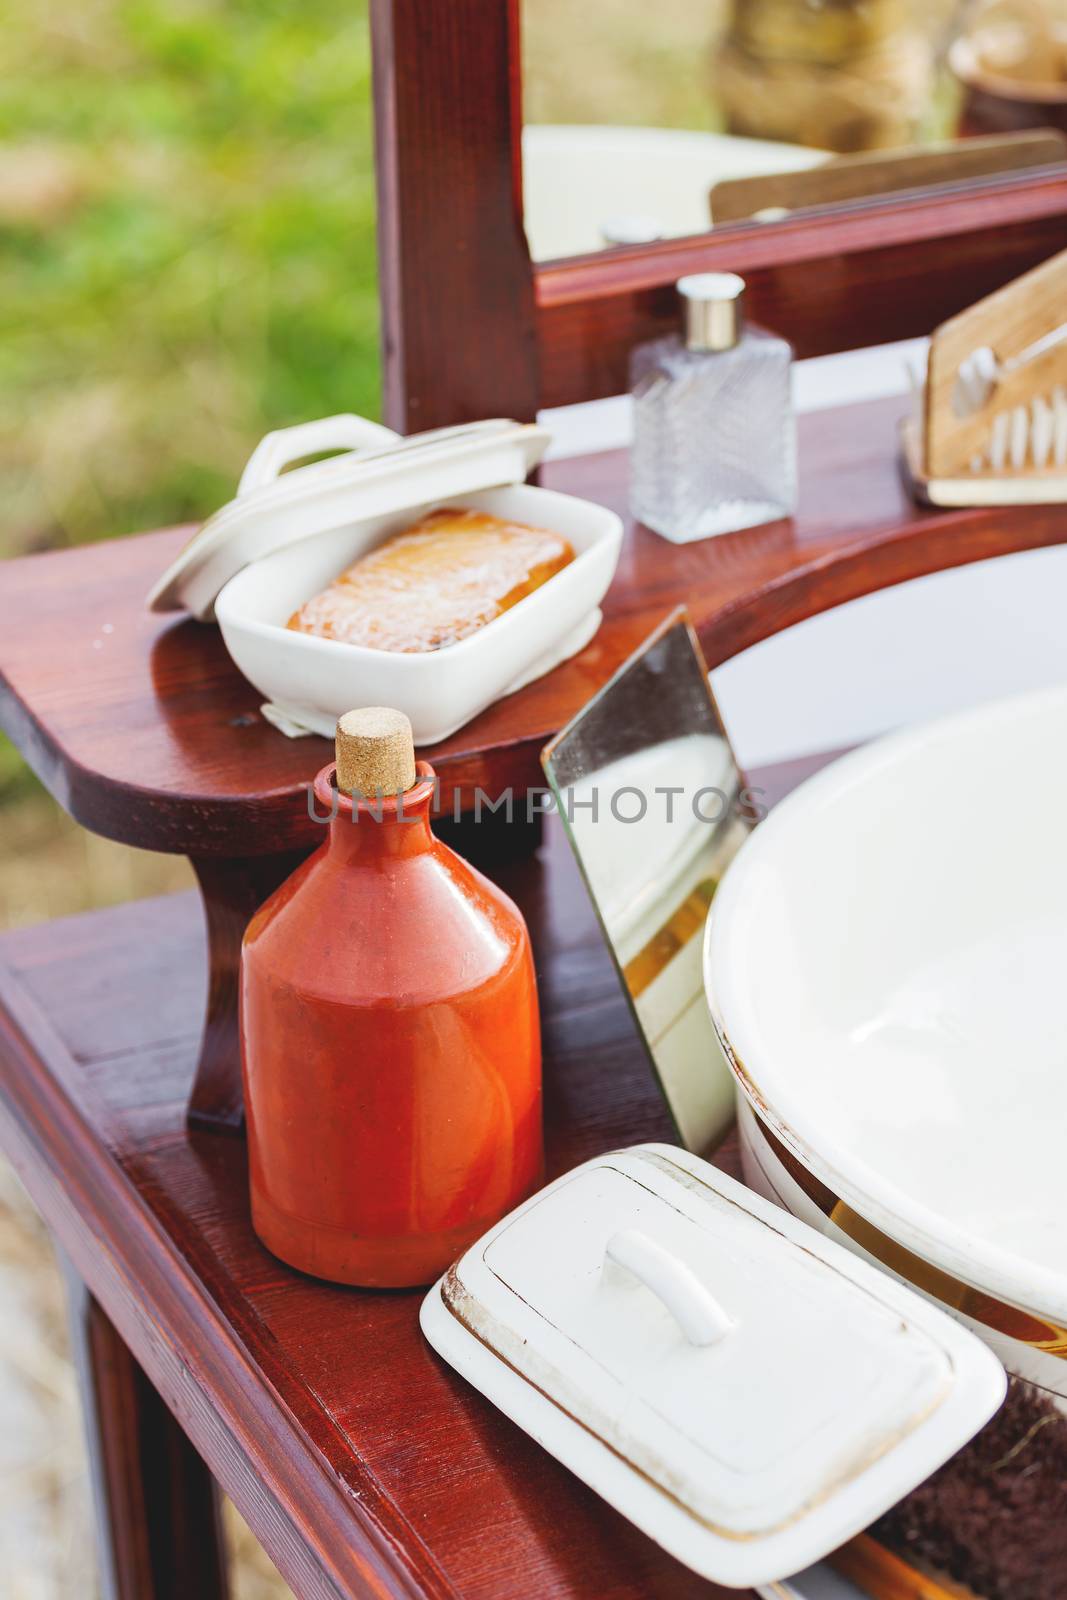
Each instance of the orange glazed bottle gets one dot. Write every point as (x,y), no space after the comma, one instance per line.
(389,1035)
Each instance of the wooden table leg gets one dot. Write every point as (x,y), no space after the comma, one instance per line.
(159,1531)
(232,889)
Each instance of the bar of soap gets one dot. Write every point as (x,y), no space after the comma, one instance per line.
(434,583)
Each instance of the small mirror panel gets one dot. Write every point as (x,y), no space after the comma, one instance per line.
(655,808)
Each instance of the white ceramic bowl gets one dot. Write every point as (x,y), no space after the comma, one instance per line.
(886,964)
(313,680)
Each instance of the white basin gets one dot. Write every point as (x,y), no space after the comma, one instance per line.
(886,962)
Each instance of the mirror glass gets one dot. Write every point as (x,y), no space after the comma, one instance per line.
(647,122)
(654,806)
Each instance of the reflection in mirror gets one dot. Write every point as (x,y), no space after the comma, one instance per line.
(652,800)
(653,122)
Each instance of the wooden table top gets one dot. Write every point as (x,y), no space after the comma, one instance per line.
(145,731)
(362,1462)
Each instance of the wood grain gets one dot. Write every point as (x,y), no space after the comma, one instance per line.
(232,889)
(365,1466)
(145,731)
(159,1530)
(456,280)
(1006,322)
(866,274)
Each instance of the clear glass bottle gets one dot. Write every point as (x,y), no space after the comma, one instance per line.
(714,432)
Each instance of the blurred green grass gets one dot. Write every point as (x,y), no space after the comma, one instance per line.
(199,262)
(186,253)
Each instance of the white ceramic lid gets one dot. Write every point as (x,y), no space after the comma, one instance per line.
(379,472)
(747,1392)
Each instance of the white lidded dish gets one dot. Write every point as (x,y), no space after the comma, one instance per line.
(884,965)
(286,537)
(748,1393)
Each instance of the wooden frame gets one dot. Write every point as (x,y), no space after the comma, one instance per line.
(457,285)
(472,327)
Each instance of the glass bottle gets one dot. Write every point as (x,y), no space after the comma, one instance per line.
(714,433)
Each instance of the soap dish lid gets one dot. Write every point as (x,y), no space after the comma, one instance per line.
(747,1392)
(379,472)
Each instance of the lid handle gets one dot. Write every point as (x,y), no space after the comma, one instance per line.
(697,1312)
(285,445)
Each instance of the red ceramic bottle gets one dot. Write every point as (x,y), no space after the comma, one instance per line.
(390,1037)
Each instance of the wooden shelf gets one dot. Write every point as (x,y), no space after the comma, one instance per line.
(145,731)
(363,1463)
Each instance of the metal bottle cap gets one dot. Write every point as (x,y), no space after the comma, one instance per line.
(714,313)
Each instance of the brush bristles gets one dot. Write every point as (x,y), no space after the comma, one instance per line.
(994,1519)
(1033,435)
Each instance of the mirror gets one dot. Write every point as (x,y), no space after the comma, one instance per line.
(646,122)
(655,809)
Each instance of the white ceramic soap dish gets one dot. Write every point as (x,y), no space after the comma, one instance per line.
(285,537)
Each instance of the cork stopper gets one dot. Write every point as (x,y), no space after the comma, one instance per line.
(375,752)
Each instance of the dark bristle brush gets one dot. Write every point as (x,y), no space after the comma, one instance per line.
(990,1525)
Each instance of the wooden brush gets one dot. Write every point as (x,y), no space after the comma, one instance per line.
(991,427)
(885,1576)
(990,1525)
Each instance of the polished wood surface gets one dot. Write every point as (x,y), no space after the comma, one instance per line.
(159,1529)
(363,1463)
(457,291)
(852,277)
(145,731)
(232,888)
